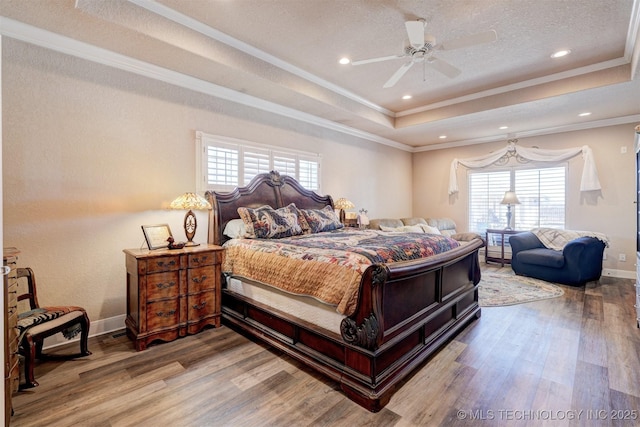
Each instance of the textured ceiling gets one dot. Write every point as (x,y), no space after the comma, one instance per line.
(285,52)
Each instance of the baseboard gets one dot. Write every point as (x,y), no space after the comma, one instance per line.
(97,327)
(622,274)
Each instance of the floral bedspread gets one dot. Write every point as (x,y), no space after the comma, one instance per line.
(327,266)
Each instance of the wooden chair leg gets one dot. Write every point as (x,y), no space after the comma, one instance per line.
(29,362)
(84,335)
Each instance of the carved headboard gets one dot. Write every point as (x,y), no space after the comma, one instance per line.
(265,189)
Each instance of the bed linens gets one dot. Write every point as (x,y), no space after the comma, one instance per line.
(327,266)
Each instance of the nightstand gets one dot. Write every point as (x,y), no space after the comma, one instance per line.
(172,293)
(495,249)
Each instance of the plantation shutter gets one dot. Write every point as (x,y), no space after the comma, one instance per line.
(308,173)
(255,161)
(284,163)
(542,198)
(222,165)
(486,190)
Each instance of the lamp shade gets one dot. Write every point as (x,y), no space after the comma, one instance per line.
(190,201)
(343,204)
(510,198)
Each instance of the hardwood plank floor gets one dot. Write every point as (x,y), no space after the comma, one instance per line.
(568,361)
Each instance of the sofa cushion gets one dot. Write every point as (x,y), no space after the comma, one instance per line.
(375,224)
(542,256)
(413,221)
(447,226)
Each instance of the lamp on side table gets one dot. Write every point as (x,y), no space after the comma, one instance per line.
(190,201)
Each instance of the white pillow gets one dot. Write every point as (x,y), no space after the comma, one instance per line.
(235,229)
(429,229)
(403,229)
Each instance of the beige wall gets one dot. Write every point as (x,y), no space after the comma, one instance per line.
(91,153)
(611,212)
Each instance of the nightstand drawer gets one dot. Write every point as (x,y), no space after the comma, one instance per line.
(201,305)
(163,285)
(162,314)
(204,258)
(200,279)
(161,264)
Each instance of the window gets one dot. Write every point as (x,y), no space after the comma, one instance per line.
(224,163)
(541,193)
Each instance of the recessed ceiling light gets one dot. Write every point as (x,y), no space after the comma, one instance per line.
(344,61)
(561,53)
(406,97)
(503,127)
(586,113)
(442,136)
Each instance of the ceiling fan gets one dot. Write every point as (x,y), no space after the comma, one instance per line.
(421,48)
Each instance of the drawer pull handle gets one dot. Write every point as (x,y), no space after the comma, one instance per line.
(199,306)
(167,314)
(200,260)
(165,285)
(168,264)
(199,279)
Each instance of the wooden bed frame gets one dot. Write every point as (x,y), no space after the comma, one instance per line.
(405,313)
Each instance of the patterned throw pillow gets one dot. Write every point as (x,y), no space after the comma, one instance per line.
(268,223)
(319,220)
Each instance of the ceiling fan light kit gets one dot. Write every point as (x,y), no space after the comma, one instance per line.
(421,49)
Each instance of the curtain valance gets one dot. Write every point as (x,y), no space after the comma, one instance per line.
(589,181)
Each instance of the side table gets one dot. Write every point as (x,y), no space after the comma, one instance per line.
(172,292)
(495,249)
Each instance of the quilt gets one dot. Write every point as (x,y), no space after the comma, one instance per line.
(327,266)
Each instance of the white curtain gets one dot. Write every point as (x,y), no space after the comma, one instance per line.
(589,181)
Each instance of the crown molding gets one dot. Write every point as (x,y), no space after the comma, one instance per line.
(534,132)
(195,25)
(56,42)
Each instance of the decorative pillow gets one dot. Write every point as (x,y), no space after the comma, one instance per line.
(403,229)
(429,229)
(235,229)
(319,220)
(268,223)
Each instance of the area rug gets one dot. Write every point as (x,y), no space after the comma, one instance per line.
(500,289)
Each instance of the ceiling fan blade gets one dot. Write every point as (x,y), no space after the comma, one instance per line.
(398,75)
(415,31)
(380,59)
(470,40)
(443,67)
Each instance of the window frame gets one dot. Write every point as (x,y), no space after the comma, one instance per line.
(295,157)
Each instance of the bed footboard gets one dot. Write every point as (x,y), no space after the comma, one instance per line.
(405,313)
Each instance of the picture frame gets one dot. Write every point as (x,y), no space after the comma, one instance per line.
(157,235)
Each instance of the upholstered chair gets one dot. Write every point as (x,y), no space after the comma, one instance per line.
(36,323)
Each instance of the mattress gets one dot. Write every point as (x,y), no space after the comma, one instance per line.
(303,307)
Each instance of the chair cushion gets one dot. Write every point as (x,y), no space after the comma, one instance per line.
(542,256)
(51,324)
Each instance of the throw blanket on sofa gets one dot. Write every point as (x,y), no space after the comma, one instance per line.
(556,239)
(327,266)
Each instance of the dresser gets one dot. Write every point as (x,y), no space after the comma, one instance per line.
(11,366)
(172,292)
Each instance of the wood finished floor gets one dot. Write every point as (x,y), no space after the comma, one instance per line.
(571,361)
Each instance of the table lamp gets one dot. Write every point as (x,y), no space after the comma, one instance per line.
(509,199)
(342,204)
(190,201)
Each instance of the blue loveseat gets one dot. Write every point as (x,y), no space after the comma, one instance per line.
(579,262)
